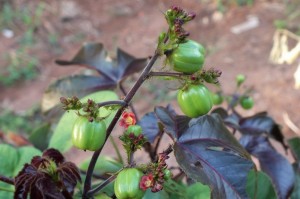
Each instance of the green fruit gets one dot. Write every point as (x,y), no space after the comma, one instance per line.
(188,57)
(216,98)
(240,79)
(194,100)
(246,102)
(135,129)
(127,184)
(167,174)
(88,135)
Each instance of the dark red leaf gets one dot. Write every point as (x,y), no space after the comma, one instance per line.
(38,161)
(25,180)
(47,189)
(69,175)
(54,155)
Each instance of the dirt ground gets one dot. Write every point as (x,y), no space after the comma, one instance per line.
(134,25)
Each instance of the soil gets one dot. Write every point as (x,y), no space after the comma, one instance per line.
(134,25)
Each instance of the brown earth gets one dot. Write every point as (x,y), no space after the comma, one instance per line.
(134,25)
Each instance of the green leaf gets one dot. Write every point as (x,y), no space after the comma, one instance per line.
(40,136)
(158,195)
(104,164)
(61,139)
(9,158)
(25,155)
(12,159)
(102,196)
(259,186)
(273,163)
(294,144)
(198,191)
(296,190)
(4,190)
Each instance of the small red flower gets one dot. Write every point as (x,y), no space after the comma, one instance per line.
(146,182)
(127,119)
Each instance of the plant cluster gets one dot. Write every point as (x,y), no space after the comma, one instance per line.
(211,161)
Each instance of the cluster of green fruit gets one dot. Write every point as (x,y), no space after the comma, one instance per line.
(194,98)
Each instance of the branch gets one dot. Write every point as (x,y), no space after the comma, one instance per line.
(127,100)
(7,180)
(113,102)
(166,74)
(91,192)
(131,105)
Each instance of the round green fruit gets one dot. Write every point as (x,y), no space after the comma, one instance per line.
(216,98)
(246,102)
(240,79)
(194,100)
(127,184)
(188,57)
(88,135)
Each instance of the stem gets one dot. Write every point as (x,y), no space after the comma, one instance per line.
(169,74)
(114,102)
(102,185)
(128,98)
(158,142)
(111,139)
(130,156)
(131,105)
(7,180)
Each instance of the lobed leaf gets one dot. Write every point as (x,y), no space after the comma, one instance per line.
(208,153)
(78,85)
(173,124)
(259,186)
(296,190)
(272,163)
(294,144)
(93,56)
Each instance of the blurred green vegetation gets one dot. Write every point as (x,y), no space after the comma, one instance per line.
(20,63)
(23,123)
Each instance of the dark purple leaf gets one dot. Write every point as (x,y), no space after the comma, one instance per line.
(79,85)
(232,121)
(127,64)
(221,111)
(150,124)
(272,163)
(54,155)
(207,152)
(174,125)
(261,124)
(93,55)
